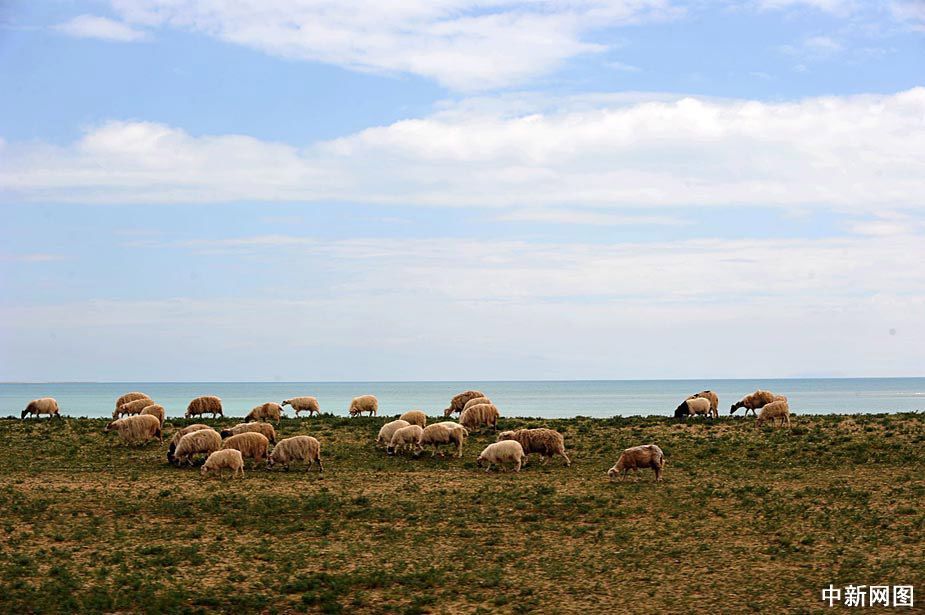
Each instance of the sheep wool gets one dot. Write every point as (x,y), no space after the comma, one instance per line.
(777,409)
(546,442)
(414,417)
(692,406)
(130,397)
(475,401)
(387,430)
(270,411)
(137,429)
(645,456)
(441,433)
(478,415)
(499,453)
(230,459)
(264,428)
(207,404)
(132,407)
(303,404)
(252,445)
(714,401)
(364,403)
(753,401)
(298,448)
(175,439)
(155,410)
(406,437)
(43,405)
(201,442)
(459,401)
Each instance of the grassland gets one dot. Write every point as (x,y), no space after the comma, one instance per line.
(745,521)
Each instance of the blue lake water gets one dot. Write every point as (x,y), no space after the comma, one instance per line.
(548,399)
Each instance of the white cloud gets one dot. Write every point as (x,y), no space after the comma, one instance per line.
(858,153)
(92,26)
(463,44)
(911,12)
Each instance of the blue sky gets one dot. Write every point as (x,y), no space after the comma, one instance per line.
(314,190)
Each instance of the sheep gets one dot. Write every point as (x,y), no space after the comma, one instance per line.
(132,407)
(219,460)
(714,401)
(201,442)
(297,448)
(364,403)
(155,410)
(268,411)
(43,405)
(546,442)
(130,397)
(264,428)
(137,429)
(481,414)
(645,456)
(406,437)
(415,417)
(175,439)
(303,404)
(692,406)
(475,401)
(251,444)
(777,409)
(387,430)
(207,404)
(441,433)
(753,401)
(500,452)
(458,403)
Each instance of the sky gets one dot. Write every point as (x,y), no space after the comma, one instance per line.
(311,190)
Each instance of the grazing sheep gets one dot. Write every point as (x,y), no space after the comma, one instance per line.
(481,414)
(501,452)
(692,406)
(645,456)
(415,417)
(777,409)
(441,433)
(387,430)
(297,448)
(130,397)
(458,403)
(132,407)
(264,428)
(405,437)
(155,410)
(265,412)
(753,401)
(251,444)
(175,440)
(364,403)
(475,401)
(714,401)
(546,442)
(207,404)
(303,404)
(201,442)
(44,405)
(137,429)
(220,460)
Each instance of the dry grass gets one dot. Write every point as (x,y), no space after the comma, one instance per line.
(746,520)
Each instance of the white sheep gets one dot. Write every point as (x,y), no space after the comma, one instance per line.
(499,453)
(694,405)
(303,404)
(44,405)
(415,417)
(441,433)
(137,429)
(200,442)
(645,456)
(364,403)
(296,448)
(406,437)
(777,409)
(227,458)
(387,430)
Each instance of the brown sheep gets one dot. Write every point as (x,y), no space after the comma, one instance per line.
(201,442)
(251,444)
(264,428)
(298,448)
(43,405)
(270,411)
(303,404)
(364,403)
(546,442)
(415,417)
(475,401)
(714,401)
(178,435)
(225,459)
(130,397)
(692,406)
(476,416)
(137,429)
(753,401)
(132,407)
(458,403)
(155,410)
(441,433)
(207,404)
(645,456)
(777,409)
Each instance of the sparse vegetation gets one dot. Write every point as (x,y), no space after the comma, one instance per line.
(745,520)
